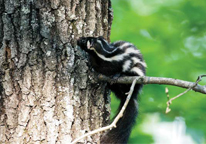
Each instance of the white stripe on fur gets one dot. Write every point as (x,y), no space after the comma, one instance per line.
(117,57)
(136,60)
(138,71)
(126,65)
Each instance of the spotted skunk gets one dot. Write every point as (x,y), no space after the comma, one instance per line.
(117,59)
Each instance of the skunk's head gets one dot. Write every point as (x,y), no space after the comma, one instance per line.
(92,43)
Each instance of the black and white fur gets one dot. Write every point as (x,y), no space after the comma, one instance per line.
(123,59)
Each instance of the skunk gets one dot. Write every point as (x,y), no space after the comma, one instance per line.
(120,58)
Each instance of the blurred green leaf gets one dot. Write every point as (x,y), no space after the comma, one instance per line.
(172,37)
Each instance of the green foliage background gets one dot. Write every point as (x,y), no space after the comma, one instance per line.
(172,37)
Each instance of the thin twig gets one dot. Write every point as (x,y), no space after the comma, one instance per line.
(168,98)
(190,88)
(113,124)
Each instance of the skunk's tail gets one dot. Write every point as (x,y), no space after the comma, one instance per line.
(121,133)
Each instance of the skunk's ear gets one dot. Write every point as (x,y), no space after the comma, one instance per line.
(90,43)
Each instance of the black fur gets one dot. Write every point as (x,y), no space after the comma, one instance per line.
(111,59)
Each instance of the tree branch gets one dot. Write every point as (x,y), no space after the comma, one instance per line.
(157,80)
(144,80)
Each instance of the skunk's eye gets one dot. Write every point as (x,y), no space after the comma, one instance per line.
(83,41)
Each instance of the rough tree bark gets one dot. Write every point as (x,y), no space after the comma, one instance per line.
(45,90)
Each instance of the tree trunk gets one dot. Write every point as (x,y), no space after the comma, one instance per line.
(46,94)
